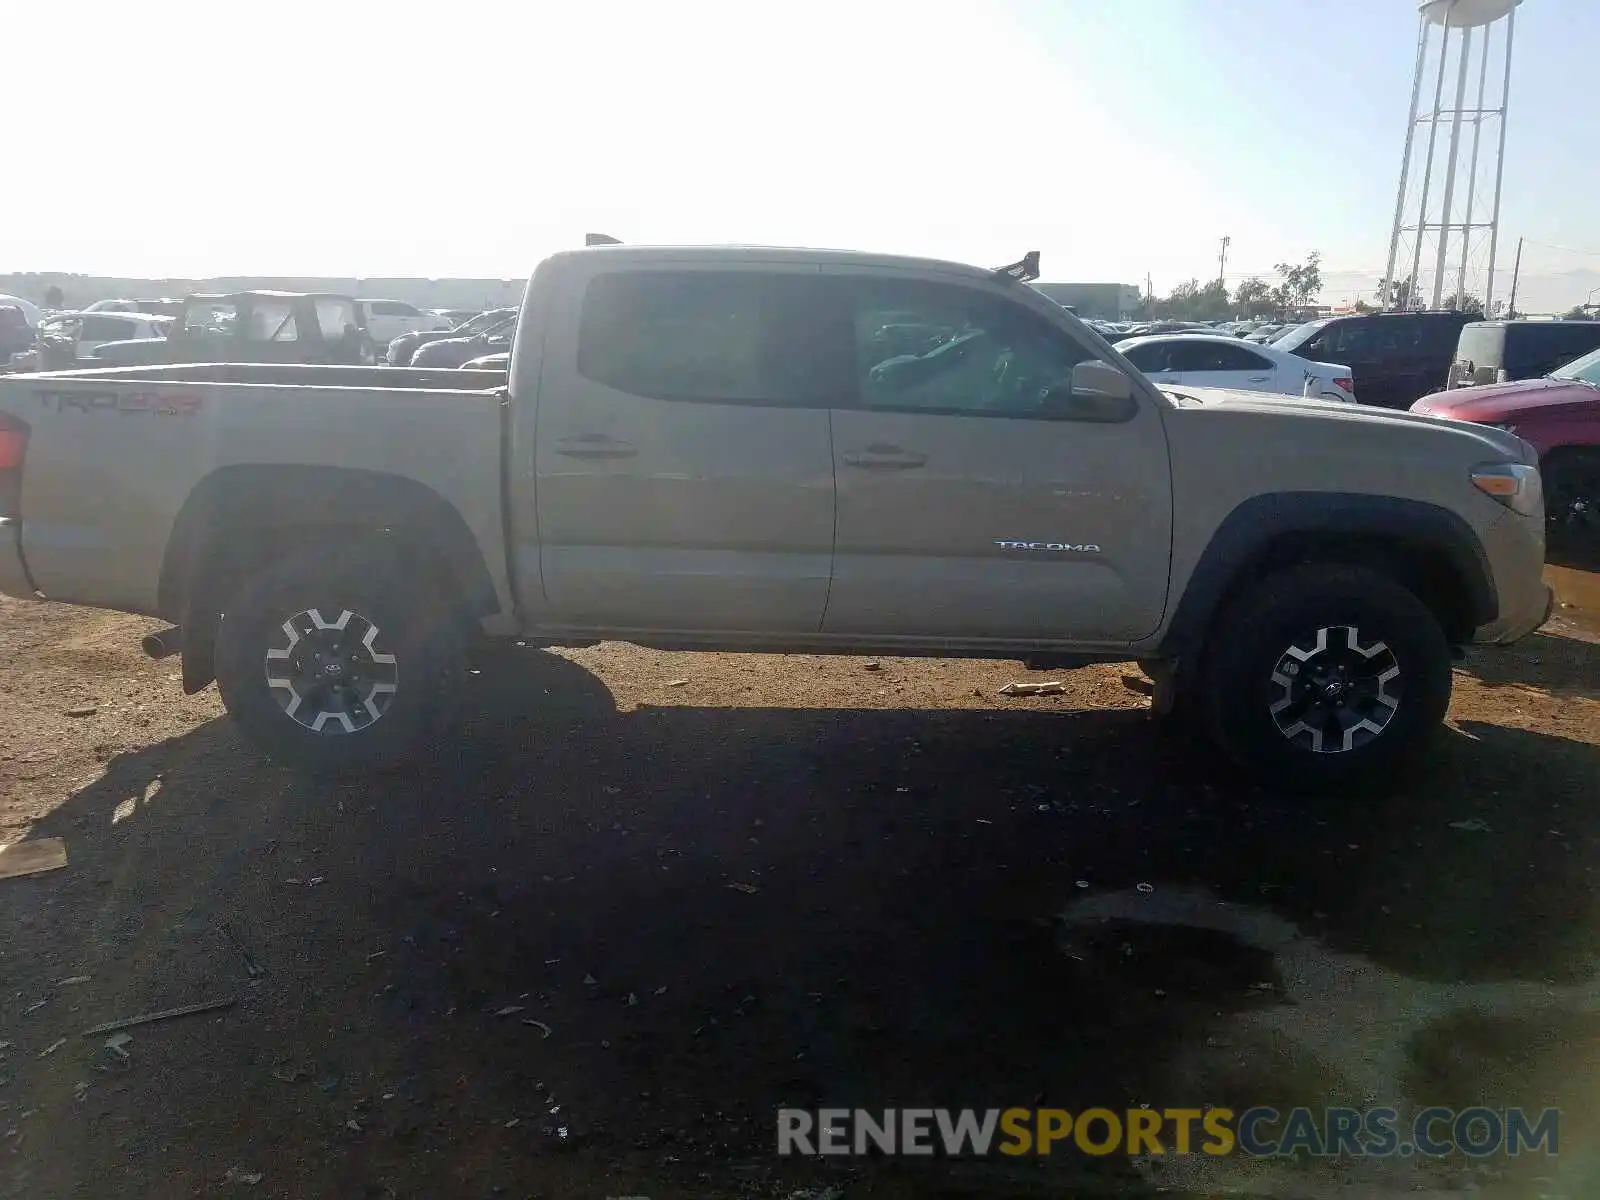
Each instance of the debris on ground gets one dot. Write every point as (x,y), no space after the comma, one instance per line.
(83,710)
(118,1044)
(678,683)
(166,1014)
(1474,825)
(539,1025)
(32,857)
(52,1047)
(1052,687)
(590,980)
(237,1175)
(251,966)
(872,666)
(509,1010)
(749,889)
(74,980)
(1145,888)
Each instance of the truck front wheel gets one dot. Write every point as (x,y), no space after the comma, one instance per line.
(1322,675)
(336,662)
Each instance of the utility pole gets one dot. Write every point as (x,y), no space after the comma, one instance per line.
(1222,262)
(1511,313)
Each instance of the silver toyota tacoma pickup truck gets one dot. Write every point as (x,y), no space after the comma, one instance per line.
(782,450)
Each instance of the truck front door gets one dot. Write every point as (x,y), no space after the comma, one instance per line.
(972,505)
(683,468)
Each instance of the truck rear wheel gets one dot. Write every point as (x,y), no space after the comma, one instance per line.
(337,662)
(1322,675)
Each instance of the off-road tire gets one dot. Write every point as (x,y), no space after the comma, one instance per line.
(1250,668)
(420,633)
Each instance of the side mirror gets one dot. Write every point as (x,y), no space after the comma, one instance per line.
(1099,392)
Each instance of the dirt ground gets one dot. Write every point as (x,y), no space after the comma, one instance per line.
(724,883)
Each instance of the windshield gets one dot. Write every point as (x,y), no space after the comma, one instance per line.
(1583,370)
(1297,335)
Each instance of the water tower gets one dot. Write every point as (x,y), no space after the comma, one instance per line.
(1447,209)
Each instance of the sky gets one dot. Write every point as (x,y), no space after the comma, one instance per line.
(1122,138)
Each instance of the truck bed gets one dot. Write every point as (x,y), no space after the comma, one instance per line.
(290,375)
(121,461)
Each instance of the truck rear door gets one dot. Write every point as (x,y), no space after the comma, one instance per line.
(684,470)
(969,507)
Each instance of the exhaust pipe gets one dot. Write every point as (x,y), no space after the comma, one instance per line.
(163,643)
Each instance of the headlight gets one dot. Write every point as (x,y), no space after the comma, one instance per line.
(1515,485)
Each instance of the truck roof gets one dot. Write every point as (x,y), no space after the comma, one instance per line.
(776,254)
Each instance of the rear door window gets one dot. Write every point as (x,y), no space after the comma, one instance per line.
(1149,358)
(272,321)
(333,316)
(723,337)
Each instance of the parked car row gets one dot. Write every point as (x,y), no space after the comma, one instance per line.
(402,349)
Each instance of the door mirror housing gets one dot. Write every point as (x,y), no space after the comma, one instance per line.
(1099,392)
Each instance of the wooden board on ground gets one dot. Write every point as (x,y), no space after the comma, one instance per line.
(32,858)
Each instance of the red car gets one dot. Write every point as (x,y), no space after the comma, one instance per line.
(1560,415)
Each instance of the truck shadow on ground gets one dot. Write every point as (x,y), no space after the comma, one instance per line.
(633,935)
(1547,662)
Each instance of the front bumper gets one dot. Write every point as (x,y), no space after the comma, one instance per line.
(1505,631)
(14,579)
(1514,548)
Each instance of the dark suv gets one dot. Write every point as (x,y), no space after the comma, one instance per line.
(1396,358)
(1506,351)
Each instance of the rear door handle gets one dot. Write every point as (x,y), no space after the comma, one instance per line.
(1258,378)
(884,458)
(595,445)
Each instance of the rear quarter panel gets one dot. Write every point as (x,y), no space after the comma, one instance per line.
(111,462)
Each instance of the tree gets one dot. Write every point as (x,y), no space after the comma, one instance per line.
(1400,294)
(1252,298)
(1299,285)
(1362,306)
(1211,302)
(1578,312)
(1181,304)
(1467,304)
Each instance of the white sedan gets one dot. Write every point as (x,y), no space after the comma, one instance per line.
(1202,360)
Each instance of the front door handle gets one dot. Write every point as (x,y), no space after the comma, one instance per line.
(595,445)
(884,458)
(1258,378)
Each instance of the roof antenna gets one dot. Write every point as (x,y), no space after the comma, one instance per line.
(600,239)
